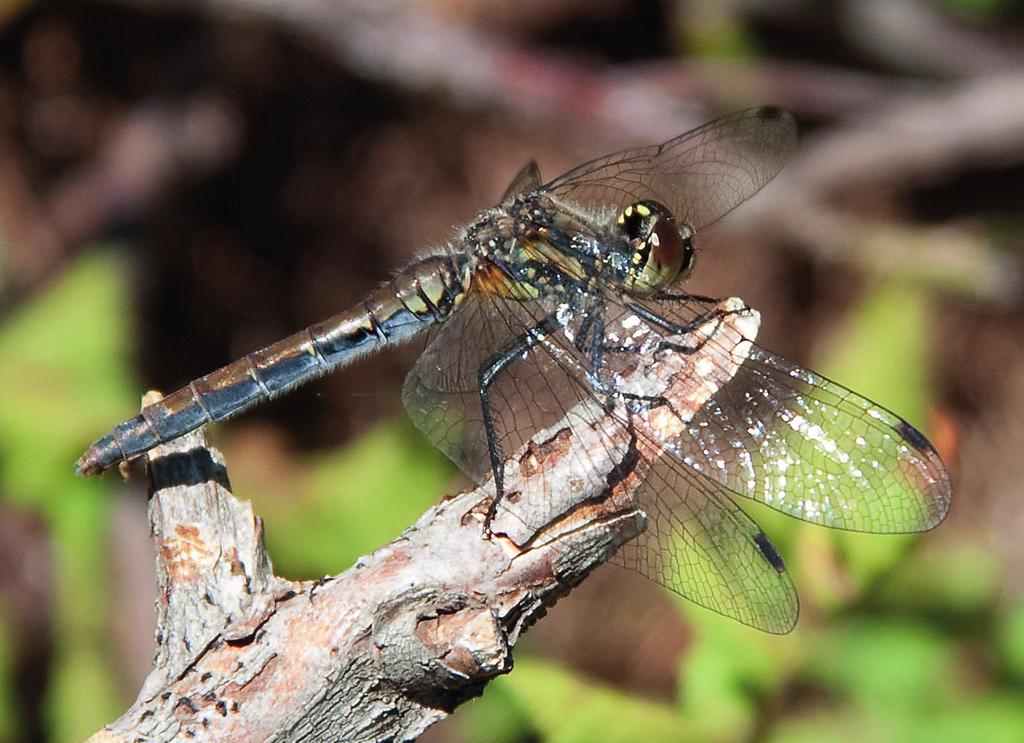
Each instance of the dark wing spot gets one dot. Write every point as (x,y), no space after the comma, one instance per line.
(914,437)
(770,553)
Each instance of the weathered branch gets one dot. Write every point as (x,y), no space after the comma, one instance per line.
(379,652)
(395,643)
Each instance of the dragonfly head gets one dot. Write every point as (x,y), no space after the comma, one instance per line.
(661,249)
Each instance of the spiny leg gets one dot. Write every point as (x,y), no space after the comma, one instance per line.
(590,342)
(716,315)
(488,373)
(684,297)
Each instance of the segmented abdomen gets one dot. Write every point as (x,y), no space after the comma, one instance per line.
(424,293)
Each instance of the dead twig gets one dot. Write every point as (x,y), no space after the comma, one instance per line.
(379,652)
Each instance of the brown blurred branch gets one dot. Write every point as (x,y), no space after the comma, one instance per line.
(888,137)
(922,38)
(884,152)
(144,152)
(410,47)
(415,47)
(35,244)
(150,148)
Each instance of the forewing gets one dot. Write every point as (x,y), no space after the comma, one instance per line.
(700,175)
(697,542)
(526,180)
(808,447)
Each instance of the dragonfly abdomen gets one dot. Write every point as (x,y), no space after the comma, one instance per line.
(424,293)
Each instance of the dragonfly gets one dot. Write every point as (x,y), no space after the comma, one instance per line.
(546,300)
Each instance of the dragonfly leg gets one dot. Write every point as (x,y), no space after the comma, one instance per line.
(677,328)
(590,342)
(486,376)
(716,315)
(651,401)
(666,296)
(590,338)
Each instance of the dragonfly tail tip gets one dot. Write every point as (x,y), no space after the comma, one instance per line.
(96,458)
(87,466)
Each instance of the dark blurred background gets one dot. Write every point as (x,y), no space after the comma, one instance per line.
(181,183)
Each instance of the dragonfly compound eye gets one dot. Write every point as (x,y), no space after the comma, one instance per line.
(661,250)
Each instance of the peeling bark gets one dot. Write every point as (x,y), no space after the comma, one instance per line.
(379,652)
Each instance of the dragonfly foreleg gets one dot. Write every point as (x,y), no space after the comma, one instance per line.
(590,342)
(649,401)
(665,296)
(715,315)
(590,339)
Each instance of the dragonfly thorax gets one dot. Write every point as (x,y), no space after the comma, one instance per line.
(660,249)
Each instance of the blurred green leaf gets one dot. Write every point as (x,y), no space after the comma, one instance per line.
(716,30)
(961,579)
(8,715)
(565,708)
(63,376)
(886,664)
(866,557)
(354,500)
(497,717)
(729,670)
(978,9)
(1010,640)
(825,725)
(817,568)
(83,693)
(993,718)
(883,348)
(882,351)
(63,380)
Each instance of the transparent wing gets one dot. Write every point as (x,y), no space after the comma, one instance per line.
(700,175)
(526,180)
(697,543)
(809,447)
(442,391)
